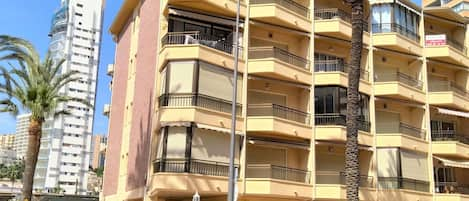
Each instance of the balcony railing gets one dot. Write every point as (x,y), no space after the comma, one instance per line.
(288,4)
(400,77)
(280,54)
(340,120)
(195,37)
(326,177)
(268,171)
(452,43)
(337,66)
(279,111)
(197,100)
(403,183)
(335,13)
(444,86)
(449,135)
(393,27)
(412,131)
(451,187)
(192,166)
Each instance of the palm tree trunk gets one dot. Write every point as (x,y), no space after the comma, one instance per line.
(352,171)
(34,143)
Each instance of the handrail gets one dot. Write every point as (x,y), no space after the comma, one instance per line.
(288,4)
(333,13)
(403,183)
(277,172)
(337,66)
(400,77)
(194,166)
(195,37)
(440,86)
(334,177)
(199,100)
(270,109)
(340,120)
(449,135)
(451,187)
(282,55)
(394,27)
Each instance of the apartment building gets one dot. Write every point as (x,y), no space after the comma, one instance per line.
(98,151)
(7,141)
(21,135)
(64,157)
(169,137)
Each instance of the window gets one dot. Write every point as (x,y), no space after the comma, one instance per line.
(394,18)
(333,100)
(79,5)
(79,14)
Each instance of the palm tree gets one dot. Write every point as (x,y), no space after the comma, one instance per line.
(35,86)
(352,171)
(14,172)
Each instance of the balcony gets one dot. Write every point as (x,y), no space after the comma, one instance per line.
(448,142)
(195,45)
(278,119)
(219,7)
(279,64)
(110,69)
(286,13)
(332,127)
(451,52)
(272,180)
(398,188)
(400,86)
(199,108)
(405,136)
(447,93)
(336,23)
(331,185)
(335,72)
(451,191)
(396,37)
(403,183)
(190,175)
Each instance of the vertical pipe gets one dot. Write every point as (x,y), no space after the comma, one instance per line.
(232,179)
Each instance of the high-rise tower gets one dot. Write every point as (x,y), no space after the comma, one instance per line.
(65,149)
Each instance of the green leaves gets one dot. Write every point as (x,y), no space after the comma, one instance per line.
(32,84)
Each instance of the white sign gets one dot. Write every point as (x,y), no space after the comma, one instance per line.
(435,40)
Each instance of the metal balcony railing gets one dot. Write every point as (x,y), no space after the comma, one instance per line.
(393,27)
(400,77)
(451,187)
(449,135)
(334,13)
(332,177)
(337,66)
(195,37)
(444,86)
(268,171)
(193,166)
(403,183)
(280,54)
(412,131)
(197,100)
(279,111)
(288,4)
(340,120)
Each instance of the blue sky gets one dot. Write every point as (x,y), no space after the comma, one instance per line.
(30,19)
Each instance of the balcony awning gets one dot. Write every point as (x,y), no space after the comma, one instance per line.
(453,112)
(204,17)
(175,124)
(198,125)
(217,129)
(453,163)
(279,143)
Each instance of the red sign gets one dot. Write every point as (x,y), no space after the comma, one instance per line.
(435,40)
